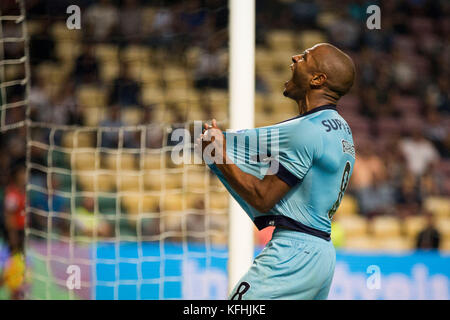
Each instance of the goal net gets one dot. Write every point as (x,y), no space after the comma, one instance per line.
(111,212)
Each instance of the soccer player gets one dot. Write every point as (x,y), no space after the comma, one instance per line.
(292,175)
(15,208)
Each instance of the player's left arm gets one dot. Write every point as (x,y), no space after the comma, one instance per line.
(262,194)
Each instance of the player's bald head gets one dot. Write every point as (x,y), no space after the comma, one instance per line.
(336,65)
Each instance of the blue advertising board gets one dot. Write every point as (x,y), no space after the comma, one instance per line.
(193,271)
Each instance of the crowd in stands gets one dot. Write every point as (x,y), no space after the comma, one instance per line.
(398,109)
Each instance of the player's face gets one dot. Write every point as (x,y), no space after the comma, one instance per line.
(298,85)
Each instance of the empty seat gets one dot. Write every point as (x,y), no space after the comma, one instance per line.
(139,203)
(120,161)
(60,31)
(196,179)
(386,227)
(152,161)
(280,39)
(218,200)
(131,116)
(394,244)
(360,243)
(413,225)
(309,38)
(439,206)
(80,139)
(95,182)
(152,94)
(107,53)
(135,53)
(348,206)
(443,225)
(353,225)
(173,202)
(92,96)
(84,160)
(129,181)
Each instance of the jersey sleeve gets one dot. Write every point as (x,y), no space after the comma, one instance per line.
(299,144)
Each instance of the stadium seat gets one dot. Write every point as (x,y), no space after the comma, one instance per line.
(394,244)
(52,74)
(280,39)
(139,203)
(439,206)
(348,206)
(107,53)
(135,53)
(152,95)
(84,160)
(443,225)
(353,225)
(152,161)
(413,225)
(95,182)
(195,200)
(129,181)
(196,179)
(218,200)
(445,246)
(360,243)
(93,116)
(109,71)
(163,181)
(80,139)
(263,60)
(308,38)
(120,161)
(92,96)
(131,115)
(60,31)
(172,202)
(385,226)
(67,51)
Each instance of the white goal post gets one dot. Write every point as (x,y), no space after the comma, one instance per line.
(242,92)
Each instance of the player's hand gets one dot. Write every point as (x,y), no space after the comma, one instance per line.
(212,143)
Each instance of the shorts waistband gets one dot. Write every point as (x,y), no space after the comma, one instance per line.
(264,221)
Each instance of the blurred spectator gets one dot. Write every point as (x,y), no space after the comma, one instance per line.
(86,70)
(419,152)
(110,138)
(87,223)
(101,19)
(39,100)
(154,130)
(210,71)
(52,202)
(373,191)
(131,21)
(125,91)
(429,238)
(162,30)
(14,210)
(42,45)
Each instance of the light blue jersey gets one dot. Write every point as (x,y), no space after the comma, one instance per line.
(314,154)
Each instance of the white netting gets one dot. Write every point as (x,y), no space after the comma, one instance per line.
(138,197)
(14,69)
(103,193)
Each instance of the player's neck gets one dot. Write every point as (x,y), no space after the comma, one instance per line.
(313,101)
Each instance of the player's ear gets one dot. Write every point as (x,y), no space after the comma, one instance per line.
(318,80)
